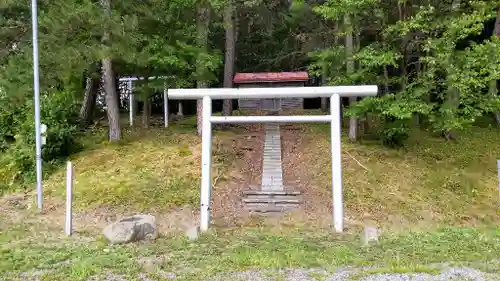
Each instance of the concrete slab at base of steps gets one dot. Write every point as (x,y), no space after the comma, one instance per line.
(268,209)
(266,199)
(271,201)
(256,190)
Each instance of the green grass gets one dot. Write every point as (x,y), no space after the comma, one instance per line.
(149,169)
(436,201)
(428,182)
(238,249)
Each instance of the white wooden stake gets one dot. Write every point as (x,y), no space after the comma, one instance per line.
(498,167)
(336,150)
(131,108)
(131,103)
(165,104)
(180,112)
(206,164)
(69,199)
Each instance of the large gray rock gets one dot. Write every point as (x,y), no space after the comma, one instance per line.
(131,229)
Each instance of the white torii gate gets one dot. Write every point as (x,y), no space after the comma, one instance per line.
(131,100)
(334,92)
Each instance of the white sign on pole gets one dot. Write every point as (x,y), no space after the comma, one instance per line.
(43,132)
(43,129)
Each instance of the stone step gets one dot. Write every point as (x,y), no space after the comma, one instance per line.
(271,192)
(271,200)
(273,156)
(272,159)
(273,173)
(274,197)
(273,163)
(267,209)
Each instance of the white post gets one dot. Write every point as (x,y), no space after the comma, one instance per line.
(498,167)
(36,89)
(69,197)
(180,112)
(131,103)
(206,164)
(336,150)
(165,104)
(131,108)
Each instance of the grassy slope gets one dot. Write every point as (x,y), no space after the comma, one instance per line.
(456,181)
(430,181)
(153,169)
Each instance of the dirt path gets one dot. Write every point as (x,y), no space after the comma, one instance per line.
(246,173)
(316,209)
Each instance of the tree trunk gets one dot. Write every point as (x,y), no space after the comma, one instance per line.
(493,83)
(357,46)
(324,71)
(324,104)
(89,100)
(227,106)
(109,85)
(404,46)
(199,112)
(386,80)
(349,47)
(117,87)
(146,113)
(202,25)
(324,79)
(452,98)
(112,108)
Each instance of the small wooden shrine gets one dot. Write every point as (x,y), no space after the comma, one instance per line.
(271,79)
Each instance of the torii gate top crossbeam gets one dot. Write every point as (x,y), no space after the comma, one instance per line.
(271,93)
(127,79)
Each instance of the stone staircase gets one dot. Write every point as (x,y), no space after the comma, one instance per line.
(264,202)
(271,196)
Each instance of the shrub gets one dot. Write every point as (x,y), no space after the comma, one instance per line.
(393,133)
(59,111)
(393,116)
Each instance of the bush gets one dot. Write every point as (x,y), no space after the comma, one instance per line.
(394,133)
(59,112)
(393,116)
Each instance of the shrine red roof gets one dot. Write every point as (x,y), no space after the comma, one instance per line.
(270,77)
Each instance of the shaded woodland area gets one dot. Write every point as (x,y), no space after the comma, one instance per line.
(437,63)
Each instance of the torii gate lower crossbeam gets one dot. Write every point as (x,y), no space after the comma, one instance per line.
(334,92)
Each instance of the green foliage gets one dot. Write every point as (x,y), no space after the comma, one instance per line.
(18,157)
(394,133)
(394,115)
(430,59)
(445,84)
(146,38)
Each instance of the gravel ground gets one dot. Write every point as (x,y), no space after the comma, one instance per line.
(319,275)
(447,274)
